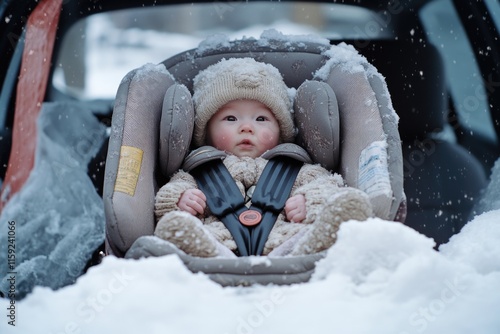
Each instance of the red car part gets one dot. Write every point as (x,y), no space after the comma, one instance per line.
(35,67)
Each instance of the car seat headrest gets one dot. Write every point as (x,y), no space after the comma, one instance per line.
(295,61)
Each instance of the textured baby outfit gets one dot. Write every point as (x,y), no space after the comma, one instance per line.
(328,203)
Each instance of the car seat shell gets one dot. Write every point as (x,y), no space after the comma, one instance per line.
(130,223)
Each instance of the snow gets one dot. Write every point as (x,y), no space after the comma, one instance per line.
(380,276)
(491,198)
(344,55)
(214,42)
(476,245)
(218,41)
(145,71)
(275,35)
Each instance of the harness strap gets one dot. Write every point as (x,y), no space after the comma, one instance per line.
(226,202)
(270,195)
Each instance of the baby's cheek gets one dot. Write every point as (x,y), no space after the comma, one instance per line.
(269,138)
(220,139)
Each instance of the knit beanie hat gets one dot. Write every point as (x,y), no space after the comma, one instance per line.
(240,78)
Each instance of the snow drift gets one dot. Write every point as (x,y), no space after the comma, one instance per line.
(380,277)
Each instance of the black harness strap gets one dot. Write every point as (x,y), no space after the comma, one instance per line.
(226,202)
(270,195)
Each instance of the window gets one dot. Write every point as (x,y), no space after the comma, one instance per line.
(99,50)
(464,78)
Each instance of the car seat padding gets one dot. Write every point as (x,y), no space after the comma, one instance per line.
(135,130)
(363,160)
(317,120)
(176,128)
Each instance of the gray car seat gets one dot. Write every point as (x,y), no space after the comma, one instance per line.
(442,179)
(151,134)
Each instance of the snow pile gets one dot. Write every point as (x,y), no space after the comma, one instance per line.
(491,198)
(267,37)
(291,40)
(213,42)
(343,55)
(477,244)
(144,72)
(380,277)
(59,217)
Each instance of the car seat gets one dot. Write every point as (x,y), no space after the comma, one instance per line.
(442,179)
(151,134)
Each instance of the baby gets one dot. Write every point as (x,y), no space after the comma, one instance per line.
(243,107)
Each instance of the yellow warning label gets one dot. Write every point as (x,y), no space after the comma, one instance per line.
(129,168)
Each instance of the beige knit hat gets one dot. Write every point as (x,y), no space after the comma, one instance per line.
(241,78)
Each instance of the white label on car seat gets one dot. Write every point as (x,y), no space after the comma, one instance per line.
(373,177)
(129,168)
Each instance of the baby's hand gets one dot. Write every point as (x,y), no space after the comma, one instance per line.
(193,201)
(295,208)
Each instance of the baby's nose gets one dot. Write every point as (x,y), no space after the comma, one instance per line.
(246,127)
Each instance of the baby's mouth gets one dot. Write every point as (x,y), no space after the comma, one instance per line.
(246,142)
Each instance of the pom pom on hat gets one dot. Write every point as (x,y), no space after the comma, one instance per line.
(241,78)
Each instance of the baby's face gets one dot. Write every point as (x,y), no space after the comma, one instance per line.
(245,128)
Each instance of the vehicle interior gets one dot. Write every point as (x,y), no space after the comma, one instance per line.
(441,69)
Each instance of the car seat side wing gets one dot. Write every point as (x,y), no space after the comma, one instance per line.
(130,185)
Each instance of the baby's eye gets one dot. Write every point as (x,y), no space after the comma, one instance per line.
(230,118)
(261,119)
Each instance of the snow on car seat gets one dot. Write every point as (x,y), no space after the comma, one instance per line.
(365,144)
(366,150)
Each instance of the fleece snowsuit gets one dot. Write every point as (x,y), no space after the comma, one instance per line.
(328,203)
